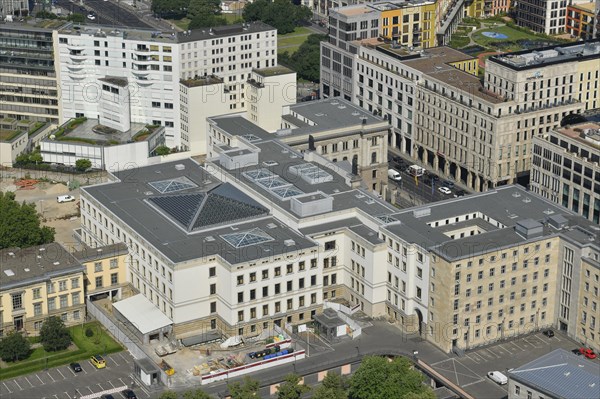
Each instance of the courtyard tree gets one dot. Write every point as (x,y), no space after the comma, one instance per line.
(379,378)
(83,164)
(333,386)
(196,394)
(169,395)
(162,150)
(54,335)
(248,389)
(20,224)
(14,347)
(291,388)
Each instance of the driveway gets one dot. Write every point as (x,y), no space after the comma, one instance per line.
(63,383)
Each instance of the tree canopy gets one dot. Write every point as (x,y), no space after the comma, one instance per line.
(378,378)
(20,224)
(54,335)
(306,60)
(14,347)
(83,164)
(333,386)
(291,388)
(248,389)
(280,14)
(170,8)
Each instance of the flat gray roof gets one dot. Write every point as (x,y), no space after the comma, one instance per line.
(88,254)
(160,225)
(222,31)
(497,212)
(328,114)
(561,374)
(21,267)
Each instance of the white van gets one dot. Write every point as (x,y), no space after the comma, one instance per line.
(416,170)
(498,377)
(64,198)
(394,175)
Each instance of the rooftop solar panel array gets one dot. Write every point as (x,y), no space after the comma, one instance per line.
(310,173)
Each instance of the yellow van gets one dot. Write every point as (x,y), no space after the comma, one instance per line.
(98,361)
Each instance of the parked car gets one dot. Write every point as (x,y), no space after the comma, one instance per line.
(498,377)
(459,193)
(128,394)
(448,183)
(587,352)
(91,17)
(107,396)
(98,361)
(394,175)
(64,198)
(444,190)
(76,367)
(548,333)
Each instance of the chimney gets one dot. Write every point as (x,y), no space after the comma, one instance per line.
(311,143)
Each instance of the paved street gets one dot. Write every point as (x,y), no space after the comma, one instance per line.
(108,13)
(62,383)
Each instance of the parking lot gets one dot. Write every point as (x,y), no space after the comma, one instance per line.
(63,383)
(470,371)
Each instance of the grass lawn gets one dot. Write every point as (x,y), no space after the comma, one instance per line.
(290,42)
(180,23)
(513,36)
(100,343)
(7,135)
(232,18)
(458,41)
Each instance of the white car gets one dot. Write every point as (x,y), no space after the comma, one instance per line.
(91,17)
(498,377)
(444,190)
(65,198)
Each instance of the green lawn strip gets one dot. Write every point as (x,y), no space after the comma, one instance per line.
(300,30)
(513,36)
(459,41)
(180,23)
(101,343)
(8,135)
(232,18)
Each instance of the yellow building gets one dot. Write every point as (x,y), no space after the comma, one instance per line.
(588,317)
(39,282)
(410,24)
(469,65)
(580,20)
(105,270)
(474,8)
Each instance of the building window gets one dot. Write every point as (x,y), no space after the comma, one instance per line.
(74,283)
(64,301)
(37,309)
(114,263)
(99,282)
(75,298)
(62,285)
(17,301)
(213,307)
(212,271)
(37,293)
(98,267)
(114,279)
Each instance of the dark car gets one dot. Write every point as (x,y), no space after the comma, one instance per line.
(129,394)
(448,183)
(435,178)
(548,333)
(107,396)
(76,367)
(460,193)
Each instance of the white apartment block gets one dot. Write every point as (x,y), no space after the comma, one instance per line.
(542,16)
(152,64)
(566,168)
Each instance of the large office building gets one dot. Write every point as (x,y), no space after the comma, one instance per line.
(37,283)
(265,233)
(443,116)
(565,168)
(542,16)
(27,67)
(151,65)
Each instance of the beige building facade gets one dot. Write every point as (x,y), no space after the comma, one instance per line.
(39,282)
(105,270)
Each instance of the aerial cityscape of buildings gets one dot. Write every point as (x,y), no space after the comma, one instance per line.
(449,194)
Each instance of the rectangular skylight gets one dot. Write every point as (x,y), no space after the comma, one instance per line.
(310,173)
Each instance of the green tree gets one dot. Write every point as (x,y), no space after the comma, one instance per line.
(197,394)
(280,14)
(20,224)
(14,347)
(36,157)
(162,150)
(168,395)
(43,14)
(54,335)
(248,389)
(291,388)
(306,60)
(378,378)
(206,21)
(199,7)
(333,386)
(83,164)
(175,9)
(76,17)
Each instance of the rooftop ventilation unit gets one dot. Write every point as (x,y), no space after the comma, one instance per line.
(56,263)
(27,269)
(419,213)
(516,194)
(209,238)
(9,272)
(526,200)
(289,243)
(549,211)
(180,166)
(271,225)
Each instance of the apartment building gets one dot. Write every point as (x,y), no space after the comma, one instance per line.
(29,78)
(565,168)
(581,19)
(542,16)
(39,282)
(152,63)
(552,376)
(105,270)
(586,324)
(340,132)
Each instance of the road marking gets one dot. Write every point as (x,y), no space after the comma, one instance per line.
(102,389)
(503,348)
(472,383)
(518,347)
(123,357)
(111,384)
(17,384)
(38,377)
(71,370)
(56,396)
(7,388)
(114,361)
(545,342)
(61,374)
(440,362)
(79,393)
(122,382)
(90,389)
(66,393)
(29,382)
(493,354)
(52,378)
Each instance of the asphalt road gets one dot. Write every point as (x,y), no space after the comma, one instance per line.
(107,13)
